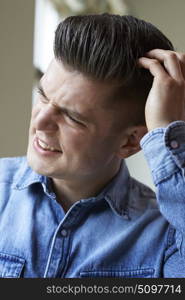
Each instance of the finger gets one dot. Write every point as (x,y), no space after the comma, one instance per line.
(181,57)
(170,61)
(154,66)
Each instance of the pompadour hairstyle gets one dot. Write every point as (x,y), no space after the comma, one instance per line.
(106,47)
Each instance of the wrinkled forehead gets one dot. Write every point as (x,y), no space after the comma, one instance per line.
(61,81)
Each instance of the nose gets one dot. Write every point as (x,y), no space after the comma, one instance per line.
(46,119)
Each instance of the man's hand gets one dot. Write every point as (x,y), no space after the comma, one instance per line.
(166,100)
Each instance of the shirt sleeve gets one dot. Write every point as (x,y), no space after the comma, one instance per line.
(164,149)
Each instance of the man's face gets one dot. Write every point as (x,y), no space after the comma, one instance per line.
(71,132)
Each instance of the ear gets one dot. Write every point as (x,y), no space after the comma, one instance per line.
(130,143)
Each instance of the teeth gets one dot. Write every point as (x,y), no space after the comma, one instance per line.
(45,146)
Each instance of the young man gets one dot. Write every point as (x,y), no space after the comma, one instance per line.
(70,209)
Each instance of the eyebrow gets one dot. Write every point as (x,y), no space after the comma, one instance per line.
(65,110)
(41,91)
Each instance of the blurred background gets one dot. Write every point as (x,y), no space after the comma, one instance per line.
(26,48)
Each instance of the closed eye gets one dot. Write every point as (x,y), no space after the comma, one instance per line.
(63,110)
(74,120)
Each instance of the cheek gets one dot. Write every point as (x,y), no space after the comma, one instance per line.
(34,113)
(74,140)
(35,110)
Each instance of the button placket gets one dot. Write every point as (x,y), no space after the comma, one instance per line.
(64,232)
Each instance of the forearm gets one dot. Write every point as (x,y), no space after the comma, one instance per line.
(164,149)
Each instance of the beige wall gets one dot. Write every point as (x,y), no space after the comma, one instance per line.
(16,74)
(167,15)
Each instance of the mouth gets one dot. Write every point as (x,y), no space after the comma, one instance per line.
(44,148)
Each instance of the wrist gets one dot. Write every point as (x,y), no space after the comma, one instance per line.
(155,125)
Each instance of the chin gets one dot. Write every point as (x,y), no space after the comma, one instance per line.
(40,168)
(36,164)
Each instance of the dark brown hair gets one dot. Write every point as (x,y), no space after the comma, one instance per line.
(106,47)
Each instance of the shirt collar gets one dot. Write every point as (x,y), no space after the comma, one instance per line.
(26,177)
(115,193)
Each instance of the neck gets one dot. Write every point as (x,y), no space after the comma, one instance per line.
(68,192)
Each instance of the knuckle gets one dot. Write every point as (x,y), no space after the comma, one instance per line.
(169,83)
(182,57)
(181,84)
(171,55)
(154,62)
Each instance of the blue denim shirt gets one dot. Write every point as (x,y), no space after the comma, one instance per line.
(119,233)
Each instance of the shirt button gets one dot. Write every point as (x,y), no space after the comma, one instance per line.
(174,144)
(64,232)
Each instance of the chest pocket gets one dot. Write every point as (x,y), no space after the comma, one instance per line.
(138,273)
(11,266)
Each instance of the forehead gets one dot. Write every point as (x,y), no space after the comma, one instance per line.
(62,83)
